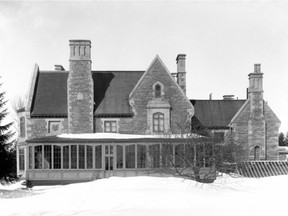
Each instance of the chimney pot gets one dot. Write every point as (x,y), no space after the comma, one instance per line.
(59,68)
(257,68)
(228,97)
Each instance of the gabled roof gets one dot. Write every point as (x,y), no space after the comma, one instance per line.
(215,114)
(112,89)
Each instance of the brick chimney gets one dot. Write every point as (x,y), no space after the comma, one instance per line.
(181,71)
(256,123)
(80,88)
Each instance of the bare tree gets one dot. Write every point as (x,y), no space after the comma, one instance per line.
(194,157)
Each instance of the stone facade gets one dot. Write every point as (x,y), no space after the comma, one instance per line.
(255,126)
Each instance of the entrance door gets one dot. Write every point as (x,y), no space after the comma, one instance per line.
(109,162)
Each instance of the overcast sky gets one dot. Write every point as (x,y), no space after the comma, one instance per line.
(222,40)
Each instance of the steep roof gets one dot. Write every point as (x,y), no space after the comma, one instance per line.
(112,89)
(214,113)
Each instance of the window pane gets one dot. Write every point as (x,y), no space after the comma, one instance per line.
(47,157)
(158,122)
(98,157)
(110,126)
(38,157)
(21,159)
(119,150)
(66,157)
(73,156)
(81,156)
(22,127)
(167,155)
(57,157)
(154,152)
(89,157)
(179,155)
(130,156)
(30,158)
(141,156)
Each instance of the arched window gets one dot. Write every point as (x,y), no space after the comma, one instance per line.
(157,91)
(22,126)
(158,122)
(257,153)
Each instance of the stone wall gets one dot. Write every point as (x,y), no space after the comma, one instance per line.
(272,128)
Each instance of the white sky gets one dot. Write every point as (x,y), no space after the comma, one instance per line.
(222,41)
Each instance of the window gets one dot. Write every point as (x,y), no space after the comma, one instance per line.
(22,126)
(66,157)
(30,158)
(157,91)
(141,156)
(110,126)
(89,157)
(73,156)
(47,157)
(54,127)
(257,153)
(130,156)
(21,160)
(57,157)
(219,136)
(158,122)
(98,157)
(81,155)
(154,152)
(119,152)
(38,157)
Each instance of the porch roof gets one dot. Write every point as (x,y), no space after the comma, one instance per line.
(114,137)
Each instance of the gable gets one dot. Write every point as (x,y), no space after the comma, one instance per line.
(215,113)
(155,69)
(172,102)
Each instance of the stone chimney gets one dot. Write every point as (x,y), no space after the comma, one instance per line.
(255,92)
(80,96)
(181,71)
(256,122)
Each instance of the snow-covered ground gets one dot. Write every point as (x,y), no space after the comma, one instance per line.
(149,196)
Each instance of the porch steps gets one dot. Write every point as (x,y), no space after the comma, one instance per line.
(258,169)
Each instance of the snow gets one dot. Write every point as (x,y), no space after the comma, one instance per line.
(123,136)
(151,196)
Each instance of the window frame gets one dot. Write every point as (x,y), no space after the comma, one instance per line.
(157,124)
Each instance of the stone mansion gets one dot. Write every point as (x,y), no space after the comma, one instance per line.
(82,124)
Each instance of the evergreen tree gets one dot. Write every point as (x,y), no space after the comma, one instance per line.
(283,141)
(7,148)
